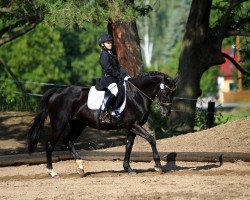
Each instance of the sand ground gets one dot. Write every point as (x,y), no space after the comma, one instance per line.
(107,180)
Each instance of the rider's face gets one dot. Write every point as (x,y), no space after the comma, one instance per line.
(108,44)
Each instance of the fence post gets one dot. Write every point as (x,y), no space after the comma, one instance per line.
(210,114)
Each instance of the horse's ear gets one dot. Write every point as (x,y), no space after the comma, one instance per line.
(176,78)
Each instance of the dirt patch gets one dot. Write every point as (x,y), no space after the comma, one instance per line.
(230,137)
(14,127)
(107,180)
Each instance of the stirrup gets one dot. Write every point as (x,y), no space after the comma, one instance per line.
(105,119)
(102,115)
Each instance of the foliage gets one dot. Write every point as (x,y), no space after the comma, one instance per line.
(161,127)
(82,53)
(35,57)
(208,81)
(209,84)
(201,50)
(171,67)
(158,123)
(236,113)
(65,54)
(222,115)
(236,20)
(78,13)
(18,18)
(177,21)
(244,51)
(68,53)
(245,60)
(168,20)
(201,118)
(48,55)
(41,57)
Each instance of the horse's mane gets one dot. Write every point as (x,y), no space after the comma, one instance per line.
(151,73)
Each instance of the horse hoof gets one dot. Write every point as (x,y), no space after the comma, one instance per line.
(52,173)
(132,172)
(80,171)
(129,170)
(158,169)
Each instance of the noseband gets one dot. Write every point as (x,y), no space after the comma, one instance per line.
(162,87)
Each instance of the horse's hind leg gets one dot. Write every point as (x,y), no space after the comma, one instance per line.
(76,129)
(50,145)
(56,132)
(129,145)
(49,149)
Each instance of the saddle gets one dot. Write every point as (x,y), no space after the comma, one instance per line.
(96,96)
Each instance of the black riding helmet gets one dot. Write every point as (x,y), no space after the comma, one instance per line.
(104,38)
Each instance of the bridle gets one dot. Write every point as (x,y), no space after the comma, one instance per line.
(162,87)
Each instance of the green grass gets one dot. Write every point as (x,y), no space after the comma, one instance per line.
(234,114)
(222,116)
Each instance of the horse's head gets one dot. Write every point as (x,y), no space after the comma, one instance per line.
(166,93)
(157,84)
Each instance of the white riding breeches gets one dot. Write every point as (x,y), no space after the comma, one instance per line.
(113,89)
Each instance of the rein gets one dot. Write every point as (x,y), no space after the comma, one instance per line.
(142,92)
(152,100)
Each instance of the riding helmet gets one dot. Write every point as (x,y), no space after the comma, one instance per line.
(105,37)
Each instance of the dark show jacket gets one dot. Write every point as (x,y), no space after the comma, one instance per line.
(110,68)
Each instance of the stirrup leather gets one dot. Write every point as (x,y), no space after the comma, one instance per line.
(104,117)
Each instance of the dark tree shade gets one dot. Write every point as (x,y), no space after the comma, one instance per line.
(201,49)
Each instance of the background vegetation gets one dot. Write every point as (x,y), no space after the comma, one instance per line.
(61,52)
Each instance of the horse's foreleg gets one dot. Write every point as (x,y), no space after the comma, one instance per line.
(80,169)
(137,129)
(129,145)
(79,161)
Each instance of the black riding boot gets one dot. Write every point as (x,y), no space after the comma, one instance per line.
(108,101)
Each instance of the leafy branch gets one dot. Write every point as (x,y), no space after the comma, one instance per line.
(243,71)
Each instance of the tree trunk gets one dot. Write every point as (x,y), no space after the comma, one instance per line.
(127,44)
(200,51)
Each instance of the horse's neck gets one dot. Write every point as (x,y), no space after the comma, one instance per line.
(146,87)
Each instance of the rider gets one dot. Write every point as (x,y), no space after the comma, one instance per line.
(112,73)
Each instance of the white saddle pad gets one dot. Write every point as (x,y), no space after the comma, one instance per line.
(95,100)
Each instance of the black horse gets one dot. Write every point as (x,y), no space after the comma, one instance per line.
(68,106)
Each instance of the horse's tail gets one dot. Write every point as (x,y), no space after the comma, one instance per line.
(38,124)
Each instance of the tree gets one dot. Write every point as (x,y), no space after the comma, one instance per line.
(36,57)
(126,35)
(147,36)
(201,49)
(127,46)
(119,17)
(17,18)
(82,53)
(75,41)
(161,30)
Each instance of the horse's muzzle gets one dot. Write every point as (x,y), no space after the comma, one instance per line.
(166,104)
(166,110)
